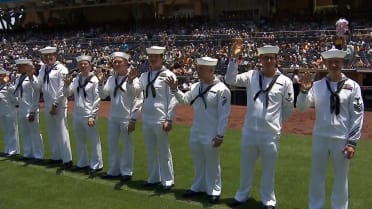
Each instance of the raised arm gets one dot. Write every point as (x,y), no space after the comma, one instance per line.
(68,87)
(134,86)
(182,98)
(103,88)
(232,77)
(305,98)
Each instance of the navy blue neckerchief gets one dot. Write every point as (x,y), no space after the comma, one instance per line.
(335,98)
(267,90)
(150,84)
(202,93)
(47,71)
(83,85)
(119,85)
(19,85)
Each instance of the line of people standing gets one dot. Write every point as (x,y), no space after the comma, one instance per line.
(270,98)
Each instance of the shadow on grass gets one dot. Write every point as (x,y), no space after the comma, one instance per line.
(250,203)
(138,185)
(154,191)
(201,198)
(31,161)
(158,191)
(18,158)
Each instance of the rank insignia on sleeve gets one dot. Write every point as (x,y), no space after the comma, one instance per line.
(289,98)
(224,100)
(358,105)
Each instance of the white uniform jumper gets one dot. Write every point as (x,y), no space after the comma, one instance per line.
(51,79)
(8,120)
(86,104)
(124,106)
(159,105)
(269,104)
(28,99)
(211,104)
(335,126)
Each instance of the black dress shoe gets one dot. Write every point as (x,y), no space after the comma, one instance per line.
(67,165)
(53,162)
(213,199)
(108,176)
(148,184)
(190,193)
(94,171)
(168,188)
(27,158)
(235,203)
(77,168)
(37,161)
(269,207)
(125,178)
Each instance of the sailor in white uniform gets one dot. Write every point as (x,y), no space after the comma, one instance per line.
(8,115)
(124,111)
(84,87)
(269,104)
(51,79)
(339,118)
(158,111)
(28,96)
(211,101)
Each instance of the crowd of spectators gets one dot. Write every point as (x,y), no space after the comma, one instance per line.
(300,44)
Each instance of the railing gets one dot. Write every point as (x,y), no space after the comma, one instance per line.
(135,38)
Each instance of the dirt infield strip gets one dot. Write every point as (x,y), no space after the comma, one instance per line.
(298,123)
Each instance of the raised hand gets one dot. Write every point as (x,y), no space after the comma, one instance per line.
(306,81)
(236,47)
(99,74)
(6,79)
(67,79)
(171,82)
(30,71)
(132,74)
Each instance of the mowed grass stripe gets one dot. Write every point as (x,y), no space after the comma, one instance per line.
(25,171)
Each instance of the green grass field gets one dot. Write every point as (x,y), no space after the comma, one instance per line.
(29,186)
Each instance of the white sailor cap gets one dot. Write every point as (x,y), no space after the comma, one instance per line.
(48,50)
(334,53)
(83,58)
(268,49)
(208,61)
(24,62)
(155,50)
(121,54)
(3,71)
